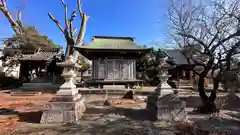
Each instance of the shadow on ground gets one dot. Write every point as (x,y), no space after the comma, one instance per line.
(232,102)
(118,127)
(191,101)
(5,111)
(29,117)
(135,114)
(230,126)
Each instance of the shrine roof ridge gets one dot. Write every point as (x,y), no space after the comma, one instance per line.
(112,43)
(114,37)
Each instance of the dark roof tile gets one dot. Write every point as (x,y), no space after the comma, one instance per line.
(178,57)
(41,55)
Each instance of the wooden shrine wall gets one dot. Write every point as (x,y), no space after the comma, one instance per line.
(114,69)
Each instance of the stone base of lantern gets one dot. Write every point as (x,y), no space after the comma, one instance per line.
(166,107)
(66,107)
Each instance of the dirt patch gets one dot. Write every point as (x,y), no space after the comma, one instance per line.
(19,110)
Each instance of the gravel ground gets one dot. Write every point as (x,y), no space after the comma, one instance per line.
(126,117)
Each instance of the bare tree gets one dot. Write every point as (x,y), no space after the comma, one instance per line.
(16,24)
(215,29)
(72,39)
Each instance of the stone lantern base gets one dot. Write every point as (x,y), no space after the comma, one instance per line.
(167,107)
(66,107)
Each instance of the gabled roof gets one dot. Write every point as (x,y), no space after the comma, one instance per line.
(177,56)
(42,55)
(115,43)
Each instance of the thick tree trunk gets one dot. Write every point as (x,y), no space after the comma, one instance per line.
(68,50)
(208,105)
(80,37)
(201,90)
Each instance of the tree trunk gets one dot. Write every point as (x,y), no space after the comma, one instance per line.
(80,36)
(208,105)
(201,90)
(68,49)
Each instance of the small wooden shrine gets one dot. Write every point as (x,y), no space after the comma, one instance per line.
(113,60)
(183,65)
(41,63)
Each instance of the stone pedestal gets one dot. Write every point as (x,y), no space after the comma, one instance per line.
(164,104)
(67,106)
(167,107)
(63,109)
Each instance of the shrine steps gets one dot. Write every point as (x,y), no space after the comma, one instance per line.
(39,86)
(86,91)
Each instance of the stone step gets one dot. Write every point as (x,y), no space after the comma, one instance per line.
(113,92)
(39,86)
(24,93)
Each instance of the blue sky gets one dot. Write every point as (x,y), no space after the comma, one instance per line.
(144,19)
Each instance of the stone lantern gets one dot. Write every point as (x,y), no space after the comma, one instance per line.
(67,106)
(164,104)
(163,87)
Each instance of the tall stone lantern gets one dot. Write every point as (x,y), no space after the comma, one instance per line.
(67,106)
(164,104)
(163,87)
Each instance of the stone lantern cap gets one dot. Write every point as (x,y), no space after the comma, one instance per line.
(163,65)
(68,63)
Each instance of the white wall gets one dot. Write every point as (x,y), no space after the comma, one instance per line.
(12,71)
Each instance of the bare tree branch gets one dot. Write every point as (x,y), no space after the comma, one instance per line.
(65,15)
(69,31)
(73,15)
(14,25)
(224,40)
(3,3)
(81,33)
(80,36)
(56,22)
(79,8)
(19,19)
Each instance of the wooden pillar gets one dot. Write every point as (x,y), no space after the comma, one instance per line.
(105,68)
(134,69)
(93,69)
(98,77)
(129,68)
(178,77)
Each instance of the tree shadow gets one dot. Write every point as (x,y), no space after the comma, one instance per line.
(135,114)
(30,117)
(5,111)
(191,101)
(232,102)
(220,124)
(9,82)
(118,127)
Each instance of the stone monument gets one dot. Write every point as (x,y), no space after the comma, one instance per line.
(67,106)
(164,103)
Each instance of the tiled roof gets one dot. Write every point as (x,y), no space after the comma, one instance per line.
(177,56)
(105,42)
(41,55)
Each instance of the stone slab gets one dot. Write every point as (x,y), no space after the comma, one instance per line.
(39,86)
(25,93)
(66,98)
